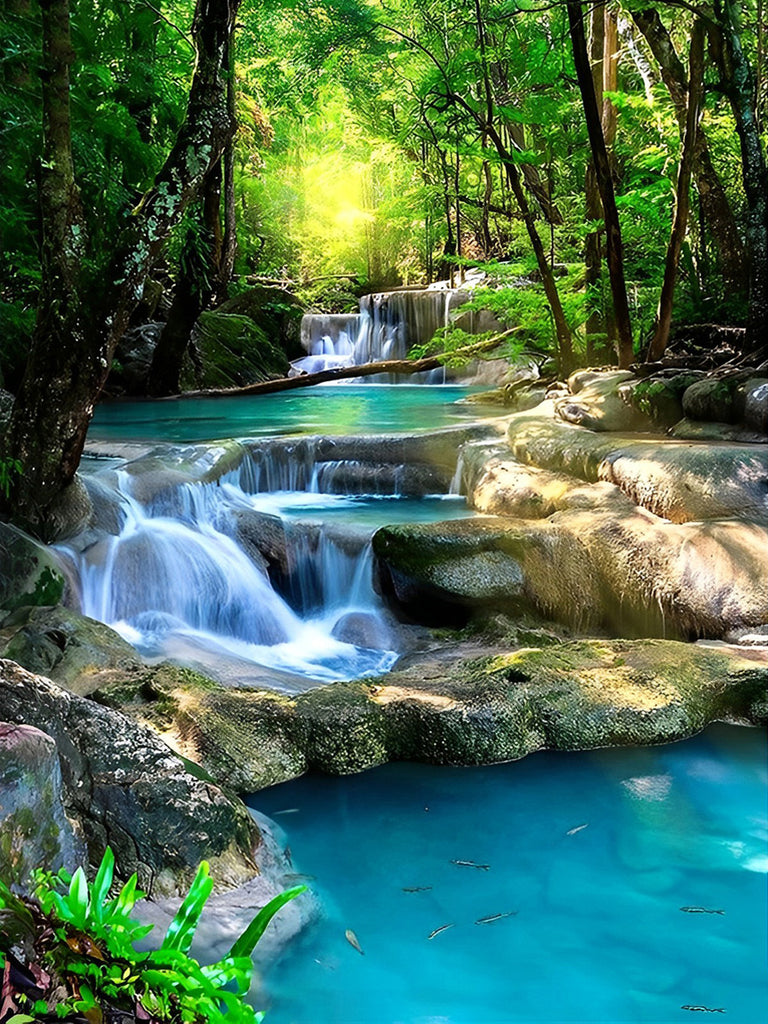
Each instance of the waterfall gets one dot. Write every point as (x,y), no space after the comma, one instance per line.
(387,326)
(175,577)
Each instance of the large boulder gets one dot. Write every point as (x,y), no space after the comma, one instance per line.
(630,571)
(445,709)
(126,789)
(596,401)
(34,829)
(230,351)
(78,653)
(676,479)
(275,311)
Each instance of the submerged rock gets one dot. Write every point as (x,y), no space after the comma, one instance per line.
(571,696)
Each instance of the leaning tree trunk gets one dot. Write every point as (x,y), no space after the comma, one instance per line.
(74,340)
(604,182)
(682,203)
(715,205)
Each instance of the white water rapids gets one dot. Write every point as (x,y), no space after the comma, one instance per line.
(178,577)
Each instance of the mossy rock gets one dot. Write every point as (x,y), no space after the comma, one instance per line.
(30,575)
(78,653)
(275,311)
(501,706)
(231,351)
(660,397)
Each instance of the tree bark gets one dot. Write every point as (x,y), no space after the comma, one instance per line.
(605,184)
(715,206)
(595,325)
(682,203)
(75,337)
(738,81)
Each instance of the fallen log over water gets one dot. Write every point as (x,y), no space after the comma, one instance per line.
(401,366)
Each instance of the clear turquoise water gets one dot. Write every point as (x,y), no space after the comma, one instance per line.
(326,409)
(598,934)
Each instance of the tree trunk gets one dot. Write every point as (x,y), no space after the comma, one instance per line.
(715,206)
(595,326)
(604,182)
(682,204)
(75,337)
(736,74)
(399,366)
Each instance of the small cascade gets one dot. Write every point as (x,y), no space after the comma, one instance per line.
(388,325)
(174,578)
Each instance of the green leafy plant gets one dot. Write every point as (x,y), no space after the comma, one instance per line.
(9,468)
(72,933)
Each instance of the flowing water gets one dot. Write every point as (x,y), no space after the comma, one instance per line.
(386,327)
(266,561)
(549,890)
(573,912)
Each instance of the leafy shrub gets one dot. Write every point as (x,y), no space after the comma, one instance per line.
(72,951)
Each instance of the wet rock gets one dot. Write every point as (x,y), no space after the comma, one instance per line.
(572,696)
(6,405)
(126,789)
(34,830)
(78,653)
(30,573)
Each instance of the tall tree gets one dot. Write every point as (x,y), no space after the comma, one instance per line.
(604,182)
(79,322)
(715,205)
(682,197)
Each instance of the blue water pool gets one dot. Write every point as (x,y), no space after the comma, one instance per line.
(325,409)
(592,855)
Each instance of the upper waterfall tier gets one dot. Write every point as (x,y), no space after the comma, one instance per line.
(387,326)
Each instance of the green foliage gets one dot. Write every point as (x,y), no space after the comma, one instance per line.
(9,468)
(85,940)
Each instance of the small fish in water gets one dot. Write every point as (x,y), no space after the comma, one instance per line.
(287,810)
(289,855)
(294,877)
(705,1009)
(470,864)
(495,917)
(442,928)
(573,831)
(700,910)
(351,938)
(416,888)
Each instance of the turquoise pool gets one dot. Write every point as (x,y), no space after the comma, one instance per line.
(592,854)
(325,409)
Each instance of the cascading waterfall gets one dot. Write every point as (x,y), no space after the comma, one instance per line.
(175,578)
(388,324)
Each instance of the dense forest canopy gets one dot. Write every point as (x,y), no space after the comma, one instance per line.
(614,152)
